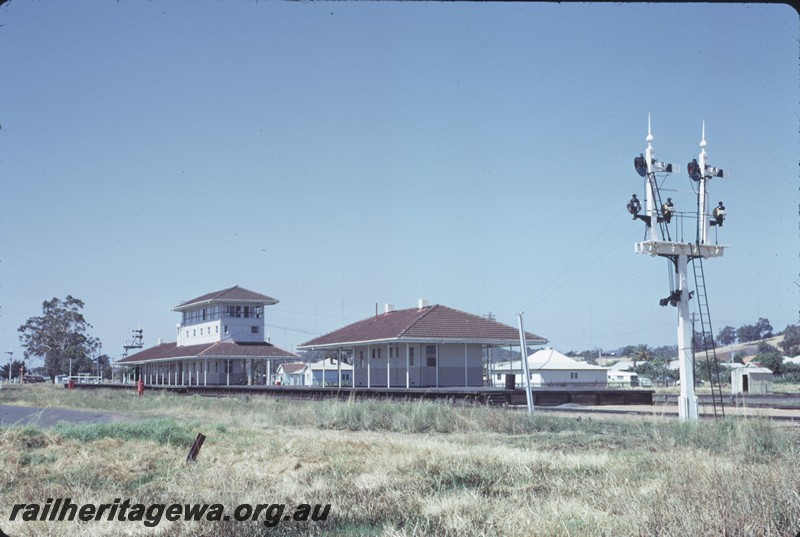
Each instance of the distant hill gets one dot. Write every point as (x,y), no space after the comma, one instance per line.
(725,354)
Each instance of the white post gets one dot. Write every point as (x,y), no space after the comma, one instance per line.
(408,367)
(702,197)
(650,198)
(687,403)
(369,368)
(466,369)
(523,354)
(11,359)
(437,366)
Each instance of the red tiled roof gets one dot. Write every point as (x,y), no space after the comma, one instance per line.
(292,367)
(429,323)
(231,294)
(219,349)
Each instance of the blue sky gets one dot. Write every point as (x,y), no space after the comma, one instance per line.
(339,155)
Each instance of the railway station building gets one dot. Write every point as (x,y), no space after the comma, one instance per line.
(219,341)
(426,346)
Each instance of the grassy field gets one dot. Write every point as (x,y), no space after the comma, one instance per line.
(401,469)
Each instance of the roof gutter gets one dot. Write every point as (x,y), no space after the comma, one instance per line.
(431,341)
(205,357)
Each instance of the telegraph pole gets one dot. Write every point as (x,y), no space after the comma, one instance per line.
(10,361)
(524,355)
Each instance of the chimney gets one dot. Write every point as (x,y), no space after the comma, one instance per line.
(388,308)
(423,303)
(160,341)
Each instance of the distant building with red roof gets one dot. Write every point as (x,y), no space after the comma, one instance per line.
(220,341)
(426,346)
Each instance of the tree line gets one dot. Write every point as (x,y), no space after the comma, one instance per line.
(60,337)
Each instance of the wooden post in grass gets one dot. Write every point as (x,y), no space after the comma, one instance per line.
(195,449)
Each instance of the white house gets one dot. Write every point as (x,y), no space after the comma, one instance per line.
(426,346)
(791,360)
(311,374)
(329,369)
(290,374)
(220,341)
(550,368)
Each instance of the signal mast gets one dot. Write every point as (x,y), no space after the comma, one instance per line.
(658,242)
(135,343)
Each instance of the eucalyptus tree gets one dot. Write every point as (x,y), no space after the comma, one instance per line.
(60,337)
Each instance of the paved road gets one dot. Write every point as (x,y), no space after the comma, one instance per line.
(47,417)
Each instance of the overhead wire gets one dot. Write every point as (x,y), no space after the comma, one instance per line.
(548,290)
(574,259)
(538,300)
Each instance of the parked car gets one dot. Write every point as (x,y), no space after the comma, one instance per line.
(697,382)
(645,382)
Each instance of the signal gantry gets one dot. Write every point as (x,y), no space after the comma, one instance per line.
(661,220)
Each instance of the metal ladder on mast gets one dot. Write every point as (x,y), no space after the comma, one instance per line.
(659,220)
(706,342)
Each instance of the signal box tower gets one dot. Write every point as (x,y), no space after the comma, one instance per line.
(658,242)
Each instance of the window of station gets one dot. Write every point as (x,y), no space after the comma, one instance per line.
(430,355)
(254,329)
(411,356)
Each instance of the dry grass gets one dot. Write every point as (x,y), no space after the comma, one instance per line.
(404,469)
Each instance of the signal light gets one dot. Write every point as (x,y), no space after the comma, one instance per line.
(694,170)
(640,164)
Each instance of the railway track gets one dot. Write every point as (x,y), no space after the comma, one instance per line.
(781,406)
